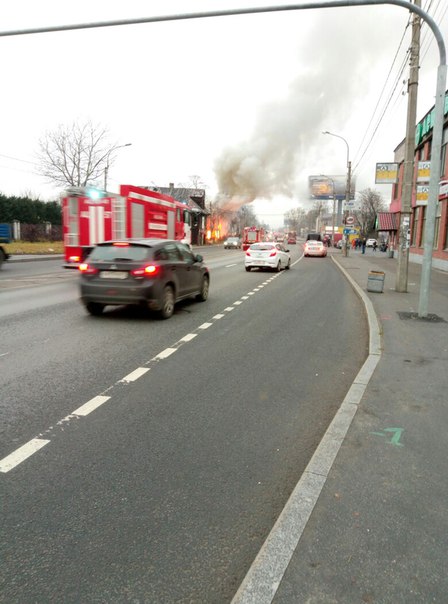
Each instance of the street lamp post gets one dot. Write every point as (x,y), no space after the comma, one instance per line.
(106,169)
(333,190)
(348,185)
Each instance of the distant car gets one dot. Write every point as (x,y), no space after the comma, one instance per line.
(232,243)
(267,255)
(314,248)
(292,241)
(314,237)
(153,273)
(371,242)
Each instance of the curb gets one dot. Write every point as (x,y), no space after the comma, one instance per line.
(33,259)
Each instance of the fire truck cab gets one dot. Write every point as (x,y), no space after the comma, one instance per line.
(91,216)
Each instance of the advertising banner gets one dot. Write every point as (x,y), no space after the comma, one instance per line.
(321,187)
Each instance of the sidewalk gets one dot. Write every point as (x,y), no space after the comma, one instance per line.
(379,530)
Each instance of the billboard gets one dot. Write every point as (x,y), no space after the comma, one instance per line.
(321,187)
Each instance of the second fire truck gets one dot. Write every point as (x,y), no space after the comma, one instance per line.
(252,235)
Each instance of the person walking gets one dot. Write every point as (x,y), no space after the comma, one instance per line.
(363,245)
(375,245)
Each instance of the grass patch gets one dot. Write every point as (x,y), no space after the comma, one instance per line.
(35,247)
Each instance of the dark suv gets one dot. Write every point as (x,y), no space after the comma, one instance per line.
(155,273)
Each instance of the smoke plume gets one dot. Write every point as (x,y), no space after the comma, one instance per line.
(337,52)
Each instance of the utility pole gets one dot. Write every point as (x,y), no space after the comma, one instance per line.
(401,277)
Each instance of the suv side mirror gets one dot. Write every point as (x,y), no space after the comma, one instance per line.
(198,258)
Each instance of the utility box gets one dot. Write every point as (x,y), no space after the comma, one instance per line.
(375,281)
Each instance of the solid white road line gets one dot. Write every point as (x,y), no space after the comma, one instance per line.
(13,459)
(91,405)
(134,375)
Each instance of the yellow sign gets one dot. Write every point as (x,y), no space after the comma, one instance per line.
(386,174)
(422,195)
(423,171)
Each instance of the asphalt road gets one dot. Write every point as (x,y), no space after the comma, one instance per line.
(165,492)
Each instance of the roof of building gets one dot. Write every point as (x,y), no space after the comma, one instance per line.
(386,221)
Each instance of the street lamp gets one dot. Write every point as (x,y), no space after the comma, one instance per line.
(106,169)
(349,170)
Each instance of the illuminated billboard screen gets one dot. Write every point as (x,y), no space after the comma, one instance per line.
(321,187)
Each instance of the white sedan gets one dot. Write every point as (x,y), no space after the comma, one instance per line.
(270,255)
(371,242)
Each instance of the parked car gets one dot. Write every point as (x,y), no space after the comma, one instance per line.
(232,243)
(314,248)
(154,273)
(371,242)
(267,255)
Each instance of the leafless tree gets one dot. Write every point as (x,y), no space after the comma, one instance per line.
(371,204)
(75,155)
(295,219)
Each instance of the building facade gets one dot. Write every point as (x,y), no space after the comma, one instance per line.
(423,143)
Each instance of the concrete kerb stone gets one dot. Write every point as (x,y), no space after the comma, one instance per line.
(374,325)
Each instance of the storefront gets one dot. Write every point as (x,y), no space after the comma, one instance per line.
(423,140)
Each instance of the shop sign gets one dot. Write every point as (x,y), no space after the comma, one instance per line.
(426,124)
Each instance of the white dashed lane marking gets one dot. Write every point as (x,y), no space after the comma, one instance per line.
(91,405)
(22,453)
(164,354)
(19,455)
(135,374)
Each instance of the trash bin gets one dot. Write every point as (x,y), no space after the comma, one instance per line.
(375,281)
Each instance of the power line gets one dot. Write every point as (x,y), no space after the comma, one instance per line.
(25,161)
(381,94)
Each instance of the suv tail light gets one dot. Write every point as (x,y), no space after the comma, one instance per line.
(273,253)
(150,270)
(87,269)
(247,253)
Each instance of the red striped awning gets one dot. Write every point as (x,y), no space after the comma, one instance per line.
(385,221)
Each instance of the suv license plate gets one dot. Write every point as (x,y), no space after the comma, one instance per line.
(113,274)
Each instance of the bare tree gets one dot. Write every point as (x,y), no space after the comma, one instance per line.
(75,155)
(371,204)
(295,219)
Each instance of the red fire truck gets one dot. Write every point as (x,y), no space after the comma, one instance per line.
(252,235)
(91,216)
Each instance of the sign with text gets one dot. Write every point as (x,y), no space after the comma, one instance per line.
(423,171)
(422,195)
(386,174)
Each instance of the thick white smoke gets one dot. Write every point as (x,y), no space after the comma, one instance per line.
(334,66)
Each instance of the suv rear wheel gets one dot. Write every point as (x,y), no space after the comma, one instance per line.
(203,295)
(167,303)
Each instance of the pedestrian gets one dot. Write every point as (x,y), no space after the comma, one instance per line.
(363,245)
(375,245)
